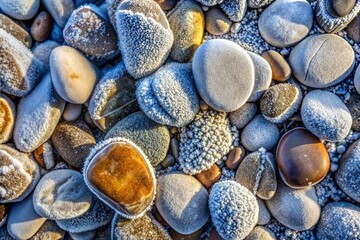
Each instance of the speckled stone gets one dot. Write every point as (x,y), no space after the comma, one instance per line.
(7,118)
(208,177)
(49,230)
(242,116)
(234,157)
(280,69)
(15,30)
(216,21)
(41,26)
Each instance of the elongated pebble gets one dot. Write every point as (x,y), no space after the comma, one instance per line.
(16,30)
(7,118)
(72,112)
(19,9)
(60,10)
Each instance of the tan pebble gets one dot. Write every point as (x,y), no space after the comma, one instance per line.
(173,130)
(41,27)
(44,156)
(281,70)
(7,118)
(216,22)
(15,30)
(234,157)
(208,177)
(72,111)
(168,161)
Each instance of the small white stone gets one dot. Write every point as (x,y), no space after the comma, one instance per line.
(72,112)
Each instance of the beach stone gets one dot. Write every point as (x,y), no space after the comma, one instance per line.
(262,233)
(353,29)
(62,194)
(178,236)
(237,78)
(49,230)
(259,3)
(322,60)
(72,112)
(210,3)
(349,168)
(43,51)
(234,157)
(339,220)
(302,158)
(150,136)
(187,23)
(182,202)
(354,108)
(19,9)
(7,118)
(37,116)
(41,26)
(73,141)
(119,173)
(89,235)
(208,177)
(260,133)
(3,214)
(286,22)
(15,30)
(60,10)
(216,21)
(263,76)
(234,9)
(264,214)
(73,75)
(44,156)
(326,116)
(166,5)
(168,161)
(242,116)
(280,69)
(297,209)
(342,7)
(357,80)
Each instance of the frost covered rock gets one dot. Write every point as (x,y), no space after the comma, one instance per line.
(259,3)
(169,96)
(210,2)
(20,9)
(112,6)
(43,51)
(15,30)
(60,10)
(7,118)
(37,116)
(233,209)
(49,230)
(235,9)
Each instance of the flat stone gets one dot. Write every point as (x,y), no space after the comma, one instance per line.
(342,7)
(15,30)
(242,116)
(280,69)
(41,26)
(234,157)
(7,118)
(19,9)
(60,10)
(216,21)
(208,177)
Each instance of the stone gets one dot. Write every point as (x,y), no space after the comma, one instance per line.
(208,177)
(119,173)
(347,174)
(44,156)
(259,3)
(60,10)
(15,30)
(112,6)
(62,194)
(168,161)
(49,230)
(7,118)
(174,145)
(234,157)
(73,141)
(182,202)
(187,23)
(353,106)
(286,22)
(242,116)
(262,233)
(234,9)
(72,112)
(342,7)
(260,133)
(353,29)
(166,5)
(224,86)
(214,235)
(280,69)
(210,3)
(41,26)
(19,9)
(302,158)
(3,215)
(264,215)
(178,236)
(89,235)
(326,116)
(357,80)
(322,60)
(216,21)
(297,209)
(43,51)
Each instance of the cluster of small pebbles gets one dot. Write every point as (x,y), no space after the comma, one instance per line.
(179,119)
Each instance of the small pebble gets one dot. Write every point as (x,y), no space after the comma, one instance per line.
(41,27)
(72,112)
(208,177)
(280,69)
(234,157)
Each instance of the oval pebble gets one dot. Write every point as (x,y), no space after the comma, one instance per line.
(242,116)
(60,10)
(43,51)
(235,156)
(342,7)
(20,9)
(72,112)
(264,214)
(280,69)
(216,21)
(208,177)
(7,118)
(15,30)
(41,26)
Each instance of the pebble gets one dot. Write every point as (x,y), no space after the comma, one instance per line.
(259,3)
(174,144)
(322,60)
(264,214)
(43,51)
(342,7)
(72,74)
(326,116)
(234,157)
(72,112)
(234,9)
(60,10)
(178,236)
(49,230)
(208,177)
(7,118)
(242,116)
(182,202)
(354,108)
(166,5)
(216,21)
(260,133)
(262,233)
(44,156)
(353,29)
(41,26)
(19,9)
(357,80)
(89,235)
(286,22)
(280,69)
(233,66)
(168,161)
(210,3)
(15,30)
(3,215)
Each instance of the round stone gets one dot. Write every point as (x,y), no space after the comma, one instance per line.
(326,116)
(20,9)
(216,21)
(208,177)
(234,9)
(224,74)
(286,22)
(353,29)
(264,214)
(357,80)
(7,118)
(60,10)
(262,233)
(242,116)
(302,158)
(280,69)
(322,60)
(72,112)
(234,157)
(15,30)
(342,7)
(43,51)
(41,26)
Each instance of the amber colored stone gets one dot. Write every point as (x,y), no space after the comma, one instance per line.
(280,68)
(158,217)
(214,235)
(178,236)
(2,212)
(302,159)
(120,173)
(39,156)
(234,157)
(208,177)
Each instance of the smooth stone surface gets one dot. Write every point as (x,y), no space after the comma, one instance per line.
(234,9)
(260,133)
(41,26)
(264,214)
(280,69)
(354,107)
(302,158)
(297,209)
(182,202)
(44,156)
(178,236)
(43,51)
(234,157)
(322,60)
(357,80)
(15,29)
(60,10)
(216,21)
(342,7)
(72,112)
(224,74)
(242,116)
(20,9)
(326,116)
(168,161)
(7,118)
(208,177)
(49,230)
(353,29)
(89,235)
(166,5)
(261,233)
(73,75)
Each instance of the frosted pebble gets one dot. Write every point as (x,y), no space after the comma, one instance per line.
(20,9)
(43,51)
(72,112)
(16,30)
(60,10)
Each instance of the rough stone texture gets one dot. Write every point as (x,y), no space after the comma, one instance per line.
(43,51)
(216,21)
(7,118)
(234,9)
(49,230)
(210,2)
(15,30)
(20,9)
(259,3)
(60,10)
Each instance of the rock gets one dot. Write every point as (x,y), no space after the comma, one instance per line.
(280,102)
(237,78)
(260,133)
(91,33)
(208,177)
(60,10)
(353,29)
(353,106)
(89,235)
(119,173)
(280,69)
(43,51)
(72,112)
(21,71)
(210,3)
(3,215)
(73,75)
(49,230)
(216,21)
(322,61)
(286,22)
(242,116)
(44,156)
(166,5)
(326,116)
(234,157)
(61,194)
(41,26)
(182,202)
(264,215)
(73,141)
(57,34)
(187,23)
(357,80)
(174,145)
(263,76)
(234,9)
(348,172)
(302,158)
(262,233)
(342,7)
(7,118)
(214,235)
(150,136)
(19,9)
(15,30)
(37,116)
(112,6)
(339,220)
(168,161)
(259,3)
(178,236)
(154,38)
(297,209)
(233,209)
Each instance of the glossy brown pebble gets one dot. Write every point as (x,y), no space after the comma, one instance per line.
(281,70)
(216,21)
(41,27)
(120,174)
(208,177)
(73,141)
(234,157)
(15,30)
(178,236)
(301,158)
(214,235)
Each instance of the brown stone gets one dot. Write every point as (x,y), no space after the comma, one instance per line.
(208,177)
(216,21)
(280,68)
(354,107)
(7,118)
(234,157)
(44,156)
(302,159)
(39,156)
(3,213)
(15,30)
(178,236)
(41,27)
(353,29)
(166,5)
(214,235)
